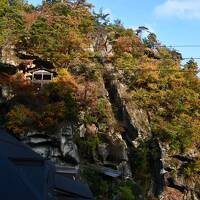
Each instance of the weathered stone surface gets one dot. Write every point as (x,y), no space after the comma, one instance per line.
(91,130)
(82,131)
(103,151)
(137,131)
(103,45)
(118,152)
(58,147)
(173,165)
(117,148)
(172,194)
(8,55)
(125,169)
(134,119)
(68,147)
(165,169)
(5,93)
(42,150)
(39,140)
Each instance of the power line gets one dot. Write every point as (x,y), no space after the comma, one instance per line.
(191,58)
(153,70)
(180,46)
(162,70)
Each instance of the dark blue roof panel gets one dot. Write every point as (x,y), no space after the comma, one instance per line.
(13,186)
(25,175)
(15,149)
(73,187)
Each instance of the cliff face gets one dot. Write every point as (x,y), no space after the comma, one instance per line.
(176,182)
(110,143)
(121,146)
(137,135)
(132,153)
(166,168)
(59,147)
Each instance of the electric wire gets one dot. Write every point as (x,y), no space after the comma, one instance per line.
(179,46)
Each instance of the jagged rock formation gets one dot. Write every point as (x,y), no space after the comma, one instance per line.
(137,127)
(167,169)
(112,132)
(165,175)
(59,147)
(113,150)
(173,170)
(135,120)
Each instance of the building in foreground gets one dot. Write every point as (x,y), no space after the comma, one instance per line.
(26,175)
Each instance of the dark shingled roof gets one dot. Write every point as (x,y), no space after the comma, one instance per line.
(26,175)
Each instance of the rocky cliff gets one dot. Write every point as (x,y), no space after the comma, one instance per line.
(119,145)
(129,152)
(121,113)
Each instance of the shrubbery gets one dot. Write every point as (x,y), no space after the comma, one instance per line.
(126,193)
(42,110)
(19,119)
(88,147)
(105,188)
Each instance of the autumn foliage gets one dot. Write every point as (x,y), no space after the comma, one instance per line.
(43,109)
(72,38)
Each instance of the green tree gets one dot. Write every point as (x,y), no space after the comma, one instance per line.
(11,21)
(151,41)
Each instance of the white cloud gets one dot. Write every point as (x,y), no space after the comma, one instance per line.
(183,9)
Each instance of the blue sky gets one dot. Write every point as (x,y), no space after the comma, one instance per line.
(175,22)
